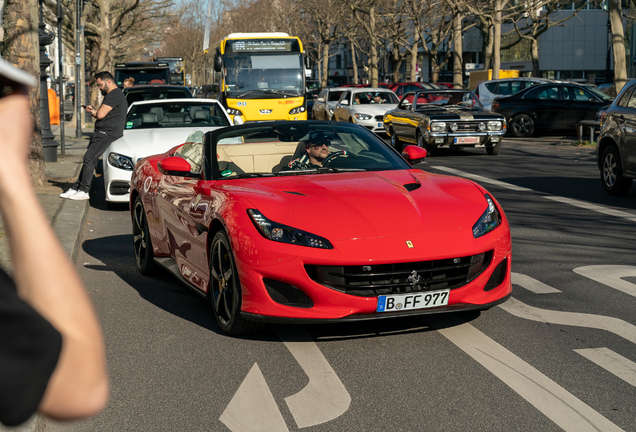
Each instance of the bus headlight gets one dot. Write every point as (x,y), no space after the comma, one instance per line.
(297,110)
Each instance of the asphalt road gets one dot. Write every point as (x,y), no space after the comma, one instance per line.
(560,355)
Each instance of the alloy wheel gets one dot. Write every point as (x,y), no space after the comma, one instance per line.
(222,271)
(609,170)
(140,242)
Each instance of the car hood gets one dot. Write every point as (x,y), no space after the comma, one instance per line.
(372,109)
(366,204)
(140,143)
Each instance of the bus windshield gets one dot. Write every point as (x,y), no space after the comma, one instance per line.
(262,76)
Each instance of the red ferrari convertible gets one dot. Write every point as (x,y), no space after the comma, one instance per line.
(307,222)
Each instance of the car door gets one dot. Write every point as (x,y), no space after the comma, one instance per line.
(401,116)
(320,106)
(580,105)
(625,117)
(180,205)
(547,104)
(341,112)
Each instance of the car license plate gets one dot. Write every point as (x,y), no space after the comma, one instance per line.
(467,140)
(380,124)
(413,301)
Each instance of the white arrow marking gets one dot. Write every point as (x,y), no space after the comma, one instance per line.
(613,325)
(611,275)
(325,397)
(532,284)
(612,362)
(253,408)
(548,397)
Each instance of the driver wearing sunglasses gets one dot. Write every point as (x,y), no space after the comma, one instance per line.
(316,148)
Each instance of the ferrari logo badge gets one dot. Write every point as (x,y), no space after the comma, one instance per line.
(409,244)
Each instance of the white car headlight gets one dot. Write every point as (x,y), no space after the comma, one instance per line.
(361,116)
(488,221)
(285,234)
(120,161)
(494,125)
(438,127)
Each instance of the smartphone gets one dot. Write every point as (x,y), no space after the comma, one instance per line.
(83,106)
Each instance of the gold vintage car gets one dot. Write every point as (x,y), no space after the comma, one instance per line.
(444,118)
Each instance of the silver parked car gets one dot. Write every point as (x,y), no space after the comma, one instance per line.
(365,106)
(487,91)
(326,103)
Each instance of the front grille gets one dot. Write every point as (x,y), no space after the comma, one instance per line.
(466,126)
(379,118)
(383,279)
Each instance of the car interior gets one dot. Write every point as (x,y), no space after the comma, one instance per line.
(150,116)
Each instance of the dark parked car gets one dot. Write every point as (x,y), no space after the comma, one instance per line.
(550,107)
(616,146)
(139,93)
(323,106)
(444,118)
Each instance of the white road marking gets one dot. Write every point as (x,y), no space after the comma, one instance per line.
(548,397)
(532,284)
(612,362)
(253,408)
(594,207)
(611,275)
(481,179)
(613,325)
(577,203)
(325,397)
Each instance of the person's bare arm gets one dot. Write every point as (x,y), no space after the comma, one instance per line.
(46,279)
(99,113)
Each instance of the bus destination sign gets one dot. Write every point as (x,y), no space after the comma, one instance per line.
(261,45)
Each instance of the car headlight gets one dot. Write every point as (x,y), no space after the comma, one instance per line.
(297,110)
(360,116)
(488,221)
(494,125)
(285,234)
(120,161)
(438,127)
(330,111)
(234,112)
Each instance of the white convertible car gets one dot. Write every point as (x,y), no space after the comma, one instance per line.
(154,127)
(365,106)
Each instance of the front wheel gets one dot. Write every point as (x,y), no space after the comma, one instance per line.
(142,245)
(225,288)
(494,150)
(522,126)
(612,173)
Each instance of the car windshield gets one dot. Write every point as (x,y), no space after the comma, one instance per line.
(465,100)
(371,97)
(175,114)
(254,76)
(294,148)
(149,93)
(145,76)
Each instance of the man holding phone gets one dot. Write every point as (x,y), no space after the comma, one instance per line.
(52,357)
(109,126)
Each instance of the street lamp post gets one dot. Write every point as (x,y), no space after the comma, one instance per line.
(49,146)
(60,73)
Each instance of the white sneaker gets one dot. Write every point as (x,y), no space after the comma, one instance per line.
(79,196)
(68,193)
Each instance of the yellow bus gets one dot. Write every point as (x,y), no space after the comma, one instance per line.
(262,76)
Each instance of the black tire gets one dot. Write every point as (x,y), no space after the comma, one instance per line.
(351,120)
(612,173)
(395,141)
(142,244)
(522,126)
(421,143)
(494,150)
(225,289)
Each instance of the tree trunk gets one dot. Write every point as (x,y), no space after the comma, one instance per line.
(414,48)
(434,69)
(618,44)
(373,61)
(355,64)
(496,52)
(325,65)
(396,64)
(488,47)
(458,51)
(21,48)
(534,47)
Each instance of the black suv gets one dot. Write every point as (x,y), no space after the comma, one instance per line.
(616,145)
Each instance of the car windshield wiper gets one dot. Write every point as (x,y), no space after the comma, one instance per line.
(321,170)
(264,91)
(250,175)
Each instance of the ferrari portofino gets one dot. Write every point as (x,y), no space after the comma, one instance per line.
(307,222)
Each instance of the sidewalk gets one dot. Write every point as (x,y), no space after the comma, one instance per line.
(67,217)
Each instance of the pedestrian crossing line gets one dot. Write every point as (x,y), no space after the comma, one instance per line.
(611,275)
(612,362)
(552,400)
(532,285)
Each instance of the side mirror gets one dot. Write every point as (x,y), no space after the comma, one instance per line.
(413,154)
(344,102)
(320,99)
(176,166)
(218,62)
(238,120)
